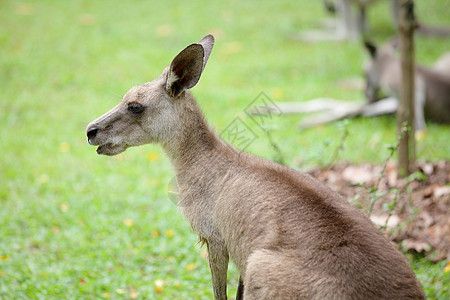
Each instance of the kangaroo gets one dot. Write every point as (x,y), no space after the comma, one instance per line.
(442,65)
(352,20)
(432,85)
(289,236)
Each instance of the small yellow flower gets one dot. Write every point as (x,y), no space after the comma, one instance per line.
(64,147)
(128,222)
(3,257)
(119,157)
(159,284)
(43,178)
(447,267)
(170,233)
(191,267)
(232,47)
(87,20)
(152,157)
(164,30)
(64,207)
(106,295)
(420,135)
(134,295)
(277,93)
(155,233)
(24,9)
(176,284)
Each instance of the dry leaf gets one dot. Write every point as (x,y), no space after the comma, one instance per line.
(380,220)
(355,174)
(441,191)
(427,168)
(391,173)
(416,245)
(426,218)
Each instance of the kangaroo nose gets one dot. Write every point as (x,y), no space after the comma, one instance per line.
(92,133)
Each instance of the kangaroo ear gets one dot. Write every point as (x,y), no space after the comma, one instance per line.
(370,46)
(185,70)
(207,43)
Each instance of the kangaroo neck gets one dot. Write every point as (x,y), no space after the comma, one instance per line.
(194,142)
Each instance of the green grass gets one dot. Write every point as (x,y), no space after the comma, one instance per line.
(74,225)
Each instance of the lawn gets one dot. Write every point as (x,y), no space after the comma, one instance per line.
(75,225)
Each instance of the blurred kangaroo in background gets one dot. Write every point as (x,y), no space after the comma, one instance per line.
(352,20)
(442,65)
(432,85)
(289,236)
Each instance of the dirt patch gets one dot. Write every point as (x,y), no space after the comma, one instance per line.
(413,212)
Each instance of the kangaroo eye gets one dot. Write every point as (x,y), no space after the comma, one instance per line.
(136,108)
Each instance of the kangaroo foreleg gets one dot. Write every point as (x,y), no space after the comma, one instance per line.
(240,290)
(218,263)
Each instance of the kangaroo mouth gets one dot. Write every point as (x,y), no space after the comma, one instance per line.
(110,149)
(104,148)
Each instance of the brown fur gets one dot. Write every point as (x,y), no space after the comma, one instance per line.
(289,236)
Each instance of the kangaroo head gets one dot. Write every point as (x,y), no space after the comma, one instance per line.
(371,73)
(380,59)
(151,112)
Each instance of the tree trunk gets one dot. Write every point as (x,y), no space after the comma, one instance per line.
(405,113)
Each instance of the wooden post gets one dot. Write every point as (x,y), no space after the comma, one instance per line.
(405,112)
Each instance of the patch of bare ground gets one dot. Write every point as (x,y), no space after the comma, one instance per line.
(413,212)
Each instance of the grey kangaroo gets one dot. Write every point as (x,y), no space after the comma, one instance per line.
(289,236)
(432,85)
